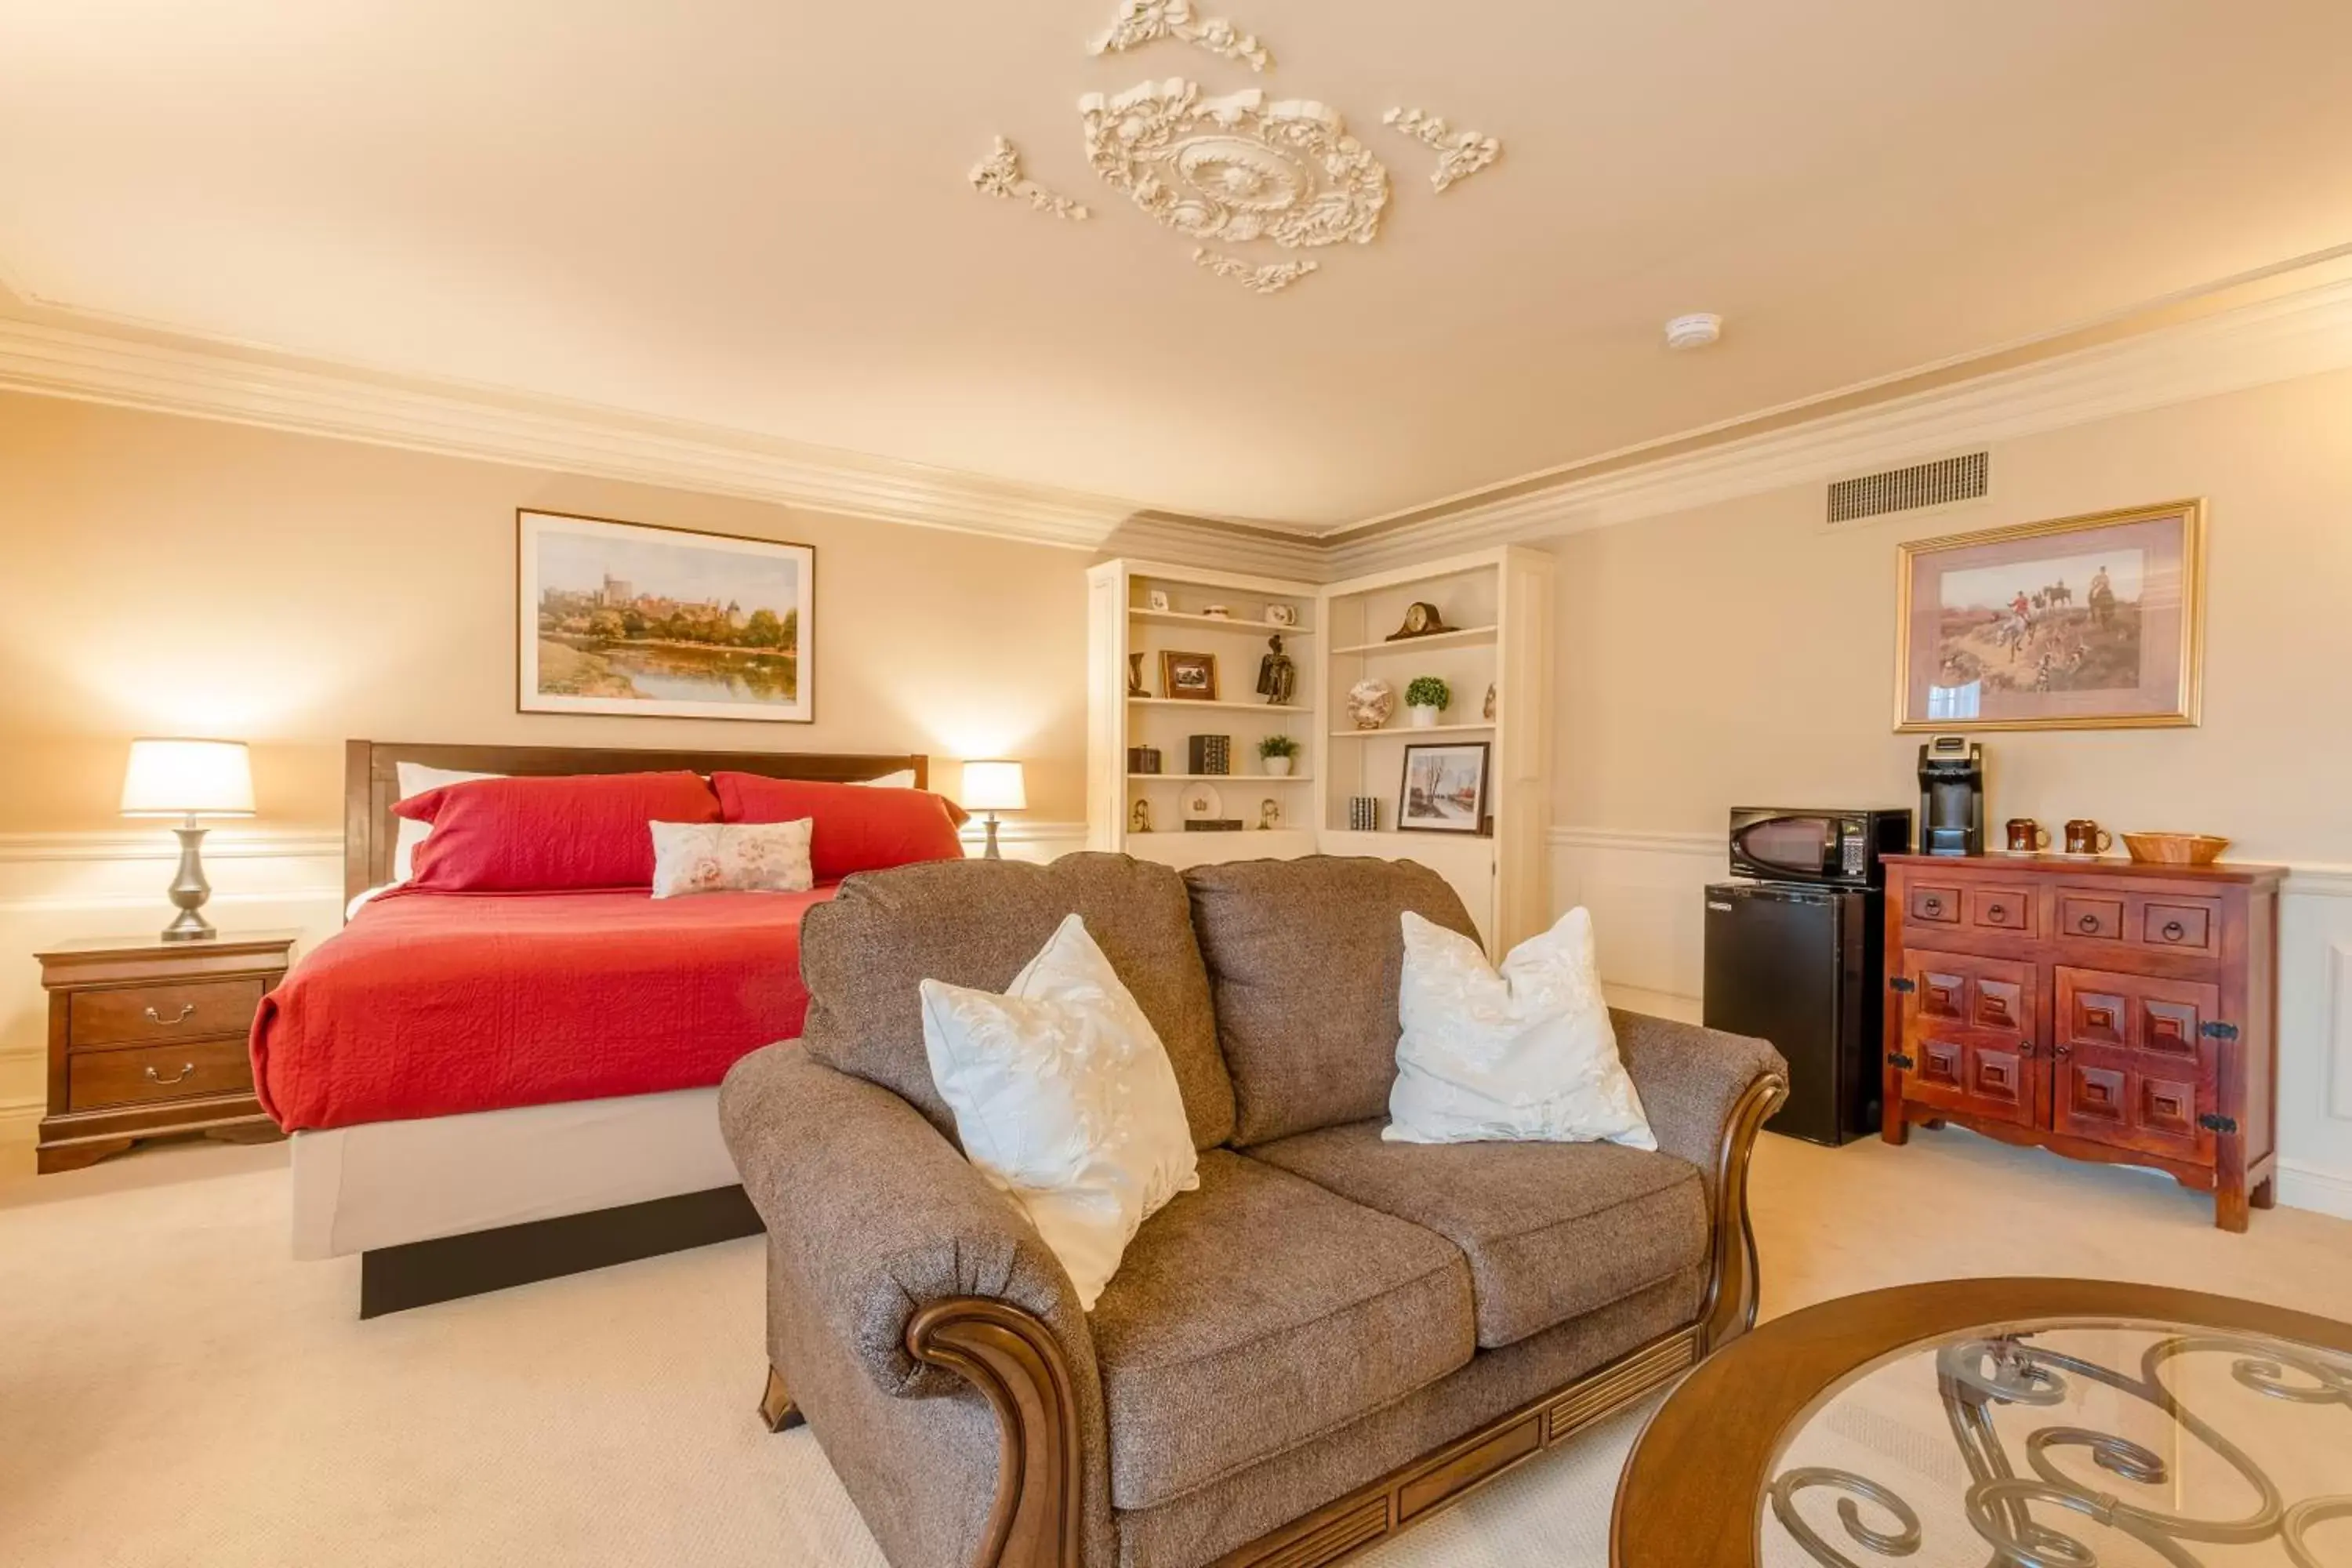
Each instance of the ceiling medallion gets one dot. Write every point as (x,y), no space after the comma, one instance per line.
(1270,277)
(1460,154)
(1141,22)
(999,175)
(1237,169)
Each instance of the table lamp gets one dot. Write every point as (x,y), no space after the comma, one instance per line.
(991,787)
(188,779)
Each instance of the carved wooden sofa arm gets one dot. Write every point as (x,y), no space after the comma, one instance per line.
(1017,1364)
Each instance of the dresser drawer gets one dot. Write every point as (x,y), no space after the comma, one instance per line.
(2002,909)
(1934,905)
(196,1071)
(2184,923)
(140,1014)
(2099,915)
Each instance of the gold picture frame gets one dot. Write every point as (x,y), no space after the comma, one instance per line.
(1989,634)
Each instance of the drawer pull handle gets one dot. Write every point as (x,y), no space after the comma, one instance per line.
(1999,913)
(1932,906)
(2174,931)
(2064,1049)
(2089,924)
(187,1011)
(186,1069)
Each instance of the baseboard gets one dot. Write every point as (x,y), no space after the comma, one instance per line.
(2301,1185)
(20,1120)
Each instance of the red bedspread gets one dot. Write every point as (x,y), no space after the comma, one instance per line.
(436,1003)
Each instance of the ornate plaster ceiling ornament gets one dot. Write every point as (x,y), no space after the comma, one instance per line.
(1237,169)
(1141,22)
(1271,278)
(999,175)
(1460,154)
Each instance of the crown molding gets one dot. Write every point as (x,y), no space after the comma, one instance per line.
(2271,340)
(206,381)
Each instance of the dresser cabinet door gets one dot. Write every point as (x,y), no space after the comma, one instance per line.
(1968,1027)
(2134,1069)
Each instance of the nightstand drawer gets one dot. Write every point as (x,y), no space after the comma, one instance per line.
(141,1014)
(198,1069)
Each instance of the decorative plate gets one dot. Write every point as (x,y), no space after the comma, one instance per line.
(1202,802)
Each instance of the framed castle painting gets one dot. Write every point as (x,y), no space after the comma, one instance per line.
(628,618)
(2083,623)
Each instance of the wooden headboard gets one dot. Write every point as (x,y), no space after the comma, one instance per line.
(371,786)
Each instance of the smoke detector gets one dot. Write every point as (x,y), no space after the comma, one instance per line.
(1693,332)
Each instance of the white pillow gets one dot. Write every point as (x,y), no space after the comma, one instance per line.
(1065,1100)
(903,779)
(415,779)
(1525,1055)
(731,858)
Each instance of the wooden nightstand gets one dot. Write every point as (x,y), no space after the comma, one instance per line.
(149,1037)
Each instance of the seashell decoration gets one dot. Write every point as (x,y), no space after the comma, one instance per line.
(1370,704)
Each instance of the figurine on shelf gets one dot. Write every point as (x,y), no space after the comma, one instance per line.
(1488,713)
(1135,676)
(1140,819)
(1278,675)
(1269,814)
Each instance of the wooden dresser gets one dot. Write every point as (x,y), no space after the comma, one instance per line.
(2099,1008)
(149,1037)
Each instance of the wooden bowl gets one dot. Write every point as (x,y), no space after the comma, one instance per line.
(2175,849)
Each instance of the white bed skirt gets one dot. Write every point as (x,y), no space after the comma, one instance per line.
(359,1188)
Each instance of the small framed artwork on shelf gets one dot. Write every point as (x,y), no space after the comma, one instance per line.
(1444,789)
(1156,600)
(1188,677)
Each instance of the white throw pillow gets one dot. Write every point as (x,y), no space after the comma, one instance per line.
(415,779)
(731,858)
(903,779)
(1065,1100)
(1525,1055)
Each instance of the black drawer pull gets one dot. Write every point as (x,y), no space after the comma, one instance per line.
(2089,924)
(187,1011)
(186,1069)
(2174,931)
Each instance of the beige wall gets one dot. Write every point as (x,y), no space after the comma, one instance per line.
(1743,654)
(169,575)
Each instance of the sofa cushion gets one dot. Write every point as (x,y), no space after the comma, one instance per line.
(1551,1231)
(1255,1314)
(975,923)
(1303,959)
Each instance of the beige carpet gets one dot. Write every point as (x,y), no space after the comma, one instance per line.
(174,1391)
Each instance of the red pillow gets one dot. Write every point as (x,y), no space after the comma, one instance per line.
(858,828)
(578,830)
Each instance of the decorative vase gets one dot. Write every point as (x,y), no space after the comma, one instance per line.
(1276,767)
(1425,718)
(1370,703)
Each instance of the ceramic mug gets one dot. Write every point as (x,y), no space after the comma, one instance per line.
(2084,836)
(2026,835)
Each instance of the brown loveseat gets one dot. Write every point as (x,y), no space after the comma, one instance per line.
(1331,1337)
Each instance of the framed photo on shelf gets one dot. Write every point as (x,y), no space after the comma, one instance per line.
(2083,623)
(667,622)
(1188,677)
(1444,789)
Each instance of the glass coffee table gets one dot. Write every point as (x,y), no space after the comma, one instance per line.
(1993,1423)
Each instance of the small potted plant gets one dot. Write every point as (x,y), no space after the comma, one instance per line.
(1275,751)
(1427,697)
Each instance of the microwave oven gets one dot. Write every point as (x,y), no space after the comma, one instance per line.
(1838,848)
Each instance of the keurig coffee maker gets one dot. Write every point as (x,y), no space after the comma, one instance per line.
(1951,796)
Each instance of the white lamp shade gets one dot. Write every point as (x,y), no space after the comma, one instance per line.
(188,778)
(993,786)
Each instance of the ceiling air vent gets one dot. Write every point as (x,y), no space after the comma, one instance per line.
(1909,489)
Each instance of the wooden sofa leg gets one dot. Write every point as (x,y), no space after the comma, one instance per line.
(1015,1361)
(1734,1287)
(776,1406)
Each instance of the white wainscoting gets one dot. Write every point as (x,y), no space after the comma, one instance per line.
(1645,892)
(57,886)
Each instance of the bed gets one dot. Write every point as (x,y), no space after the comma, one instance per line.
(487,1089)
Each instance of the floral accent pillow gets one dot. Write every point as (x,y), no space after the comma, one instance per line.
(1065,1102)
(1525,1053)
(731,858)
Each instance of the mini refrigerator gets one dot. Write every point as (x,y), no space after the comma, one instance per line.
(1797,963)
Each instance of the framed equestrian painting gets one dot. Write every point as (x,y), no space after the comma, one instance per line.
(2085,623)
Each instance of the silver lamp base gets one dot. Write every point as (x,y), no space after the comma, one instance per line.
(992,852)
(189,889)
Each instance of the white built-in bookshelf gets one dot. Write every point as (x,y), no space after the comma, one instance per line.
(1497,607)
(1121,621)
